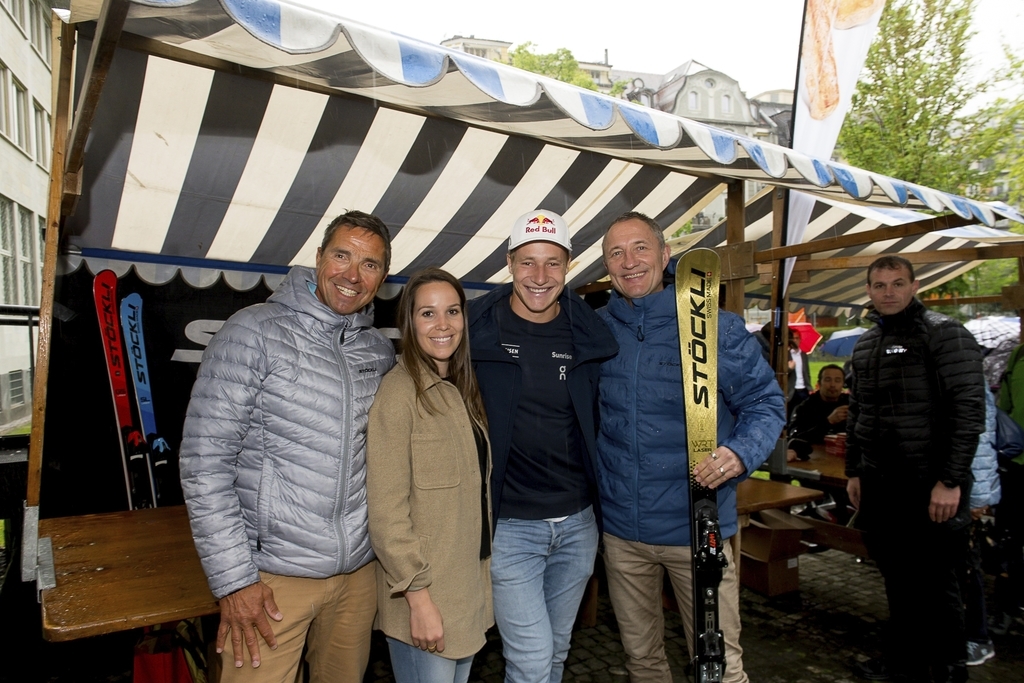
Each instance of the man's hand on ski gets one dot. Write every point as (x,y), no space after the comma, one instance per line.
(244,614)
(719,467)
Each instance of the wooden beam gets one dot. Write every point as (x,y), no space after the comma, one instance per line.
(866,237)
(53,224)
(735,224)
(108,30)
(779,332)
(936,256)
(962,300)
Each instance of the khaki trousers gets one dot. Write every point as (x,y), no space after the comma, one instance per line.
(635,580)
(333,616)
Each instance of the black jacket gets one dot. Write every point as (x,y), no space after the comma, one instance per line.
(918,401)
(809,423)
(499,378)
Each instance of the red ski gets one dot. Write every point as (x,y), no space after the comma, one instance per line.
(134,450)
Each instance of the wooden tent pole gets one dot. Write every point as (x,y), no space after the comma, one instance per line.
(735,224)
(61,110)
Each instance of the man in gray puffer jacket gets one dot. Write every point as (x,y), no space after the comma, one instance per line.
(273,463)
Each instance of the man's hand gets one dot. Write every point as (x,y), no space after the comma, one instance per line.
(853,491)
(425,621)
(944,502)
(718,468)
(838,415)
(243,614)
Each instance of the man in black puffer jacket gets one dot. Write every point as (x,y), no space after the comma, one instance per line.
(916,411)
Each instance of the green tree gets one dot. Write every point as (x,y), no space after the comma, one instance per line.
(912,116)
(560,65)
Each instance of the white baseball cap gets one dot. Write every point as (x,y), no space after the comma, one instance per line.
(540,225)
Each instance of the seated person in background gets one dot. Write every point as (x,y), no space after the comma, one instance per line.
(824,412)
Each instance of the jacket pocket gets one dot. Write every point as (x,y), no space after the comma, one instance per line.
(263,496)
(435,463)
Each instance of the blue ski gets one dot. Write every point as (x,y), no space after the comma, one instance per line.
(160,455)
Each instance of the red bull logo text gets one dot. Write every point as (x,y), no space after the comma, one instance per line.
(541,224)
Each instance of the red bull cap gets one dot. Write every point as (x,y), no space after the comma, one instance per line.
(540,225)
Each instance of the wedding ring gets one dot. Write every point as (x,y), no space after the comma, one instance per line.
(721,470)
(432,648)
(714,456)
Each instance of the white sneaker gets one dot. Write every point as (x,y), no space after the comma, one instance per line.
(979,653)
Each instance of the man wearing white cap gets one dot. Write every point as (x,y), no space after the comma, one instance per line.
(537,349)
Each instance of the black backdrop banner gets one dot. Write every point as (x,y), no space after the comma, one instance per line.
(82,468)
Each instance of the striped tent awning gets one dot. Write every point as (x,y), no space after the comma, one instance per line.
(827,290)
(229,133)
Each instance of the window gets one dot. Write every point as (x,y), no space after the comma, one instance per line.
(693,100)
(709,83)
(17,386)
(8,294)
(39,31)
(42,130)
(26,257)
(19,115)
(726,104)
(17,9)
(4,96)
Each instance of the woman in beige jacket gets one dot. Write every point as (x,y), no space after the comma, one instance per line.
(428,470)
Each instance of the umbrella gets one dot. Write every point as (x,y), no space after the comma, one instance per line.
(841,343)
(809,337)
(993,330)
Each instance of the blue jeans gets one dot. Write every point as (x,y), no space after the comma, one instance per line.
(539,570)
(413,665)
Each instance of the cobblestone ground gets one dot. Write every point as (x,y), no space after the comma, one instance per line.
(810,636)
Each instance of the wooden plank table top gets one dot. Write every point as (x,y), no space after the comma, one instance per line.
(122,570)
(829,470)
(754,495)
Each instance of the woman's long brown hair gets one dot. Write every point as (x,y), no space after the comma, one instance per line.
(460,369)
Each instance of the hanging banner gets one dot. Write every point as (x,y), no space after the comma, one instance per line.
(836,37)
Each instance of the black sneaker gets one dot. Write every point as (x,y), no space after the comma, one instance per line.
(872,670)
(979,653)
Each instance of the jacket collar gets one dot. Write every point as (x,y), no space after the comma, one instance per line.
(589,338)
(296,292)
(910,316)
(653,310)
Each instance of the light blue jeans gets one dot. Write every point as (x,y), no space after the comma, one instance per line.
(413,665)
(539,570)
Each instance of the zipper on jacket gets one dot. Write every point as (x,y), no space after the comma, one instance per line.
(344,464)
(636,450)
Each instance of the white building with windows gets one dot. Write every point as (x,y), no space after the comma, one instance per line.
(25,104)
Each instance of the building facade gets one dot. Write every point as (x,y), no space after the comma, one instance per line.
(25,144)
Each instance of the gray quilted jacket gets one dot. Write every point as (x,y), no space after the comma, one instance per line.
(273,456)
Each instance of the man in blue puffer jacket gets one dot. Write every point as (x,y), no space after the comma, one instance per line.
(642,457)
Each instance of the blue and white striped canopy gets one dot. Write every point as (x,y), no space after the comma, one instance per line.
(231,131)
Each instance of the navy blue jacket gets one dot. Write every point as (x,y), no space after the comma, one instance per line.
(500,382)
(642,456)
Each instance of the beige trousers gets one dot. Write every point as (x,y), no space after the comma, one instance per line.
(333,616)
(635,581)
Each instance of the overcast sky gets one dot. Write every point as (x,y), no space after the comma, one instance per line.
(754,41)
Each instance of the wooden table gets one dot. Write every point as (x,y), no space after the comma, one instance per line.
(124,570)
(828,470)
(754,495)
(120,571)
